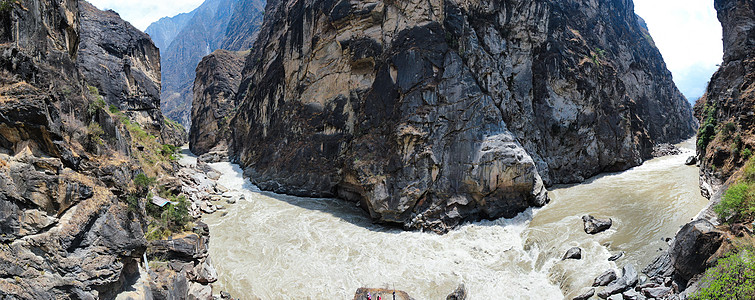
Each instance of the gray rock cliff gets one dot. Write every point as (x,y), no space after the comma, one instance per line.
(434,113)
(218,79)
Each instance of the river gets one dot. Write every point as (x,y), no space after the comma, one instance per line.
(283,247)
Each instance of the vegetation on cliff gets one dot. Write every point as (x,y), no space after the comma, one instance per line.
(733,277)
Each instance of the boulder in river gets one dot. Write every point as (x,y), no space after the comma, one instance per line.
(459,294)
(594,225)
(605,278)
(573,253)
(657,292)
(691,160)
(616,256)
(665,149)
(627,280)
(632,295)
(586,295)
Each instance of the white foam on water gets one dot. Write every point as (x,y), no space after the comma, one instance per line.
(284,247)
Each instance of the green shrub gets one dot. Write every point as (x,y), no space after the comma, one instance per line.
(728,129)
(733,277)
(746,153)
(95,132)
(113,109)
(708,128)
(736,203)
(143,182)
(176,216)
(133,203)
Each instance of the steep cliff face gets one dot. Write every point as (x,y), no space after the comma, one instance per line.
(218,79)
(121,64)
(216,24)
(433,113)
(65,233)
(244,25)
(726,110)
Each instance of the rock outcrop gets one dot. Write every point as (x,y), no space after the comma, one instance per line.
(725,111)
(436,113)
(68,226)
(218,79)
(65,232)
(216,24)
(121,64)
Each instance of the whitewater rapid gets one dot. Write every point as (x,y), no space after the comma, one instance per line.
(283,247)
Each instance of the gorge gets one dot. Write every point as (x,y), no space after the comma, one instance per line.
(339,149)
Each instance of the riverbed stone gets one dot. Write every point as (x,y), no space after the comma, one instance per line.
(632,295)
(586,295)
(198,291)
(657,292)
(221,188)
(627,280)
(692,160)
(594,225)
(604,279)
(573,253)
(660,267)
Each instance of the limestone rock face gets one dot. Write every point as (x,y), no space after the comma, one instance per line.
(122,63)
(218,79)
(65,233)
(729,99)
(433,113)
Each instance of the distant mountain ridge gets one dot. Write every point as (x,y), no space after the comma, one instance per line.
(186,38)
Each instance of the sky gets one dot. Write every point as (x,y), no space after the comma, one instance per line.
(686,32)
(141,13)
(688,35)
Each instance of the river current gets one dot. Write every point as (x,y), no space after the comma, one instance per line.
(283,247)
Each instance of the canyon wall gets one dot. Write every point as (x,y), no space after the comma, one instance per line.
(68,223)
(432,113)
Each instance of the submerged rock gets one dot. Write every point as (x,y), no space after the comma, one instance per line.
(593,225)
(573,253)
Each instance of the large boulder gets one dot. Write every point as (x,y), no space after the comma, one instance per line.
(594,225)
(692,248)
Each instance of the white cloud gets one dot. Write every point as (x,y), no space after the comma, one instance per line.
(141,13)
(688,35)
